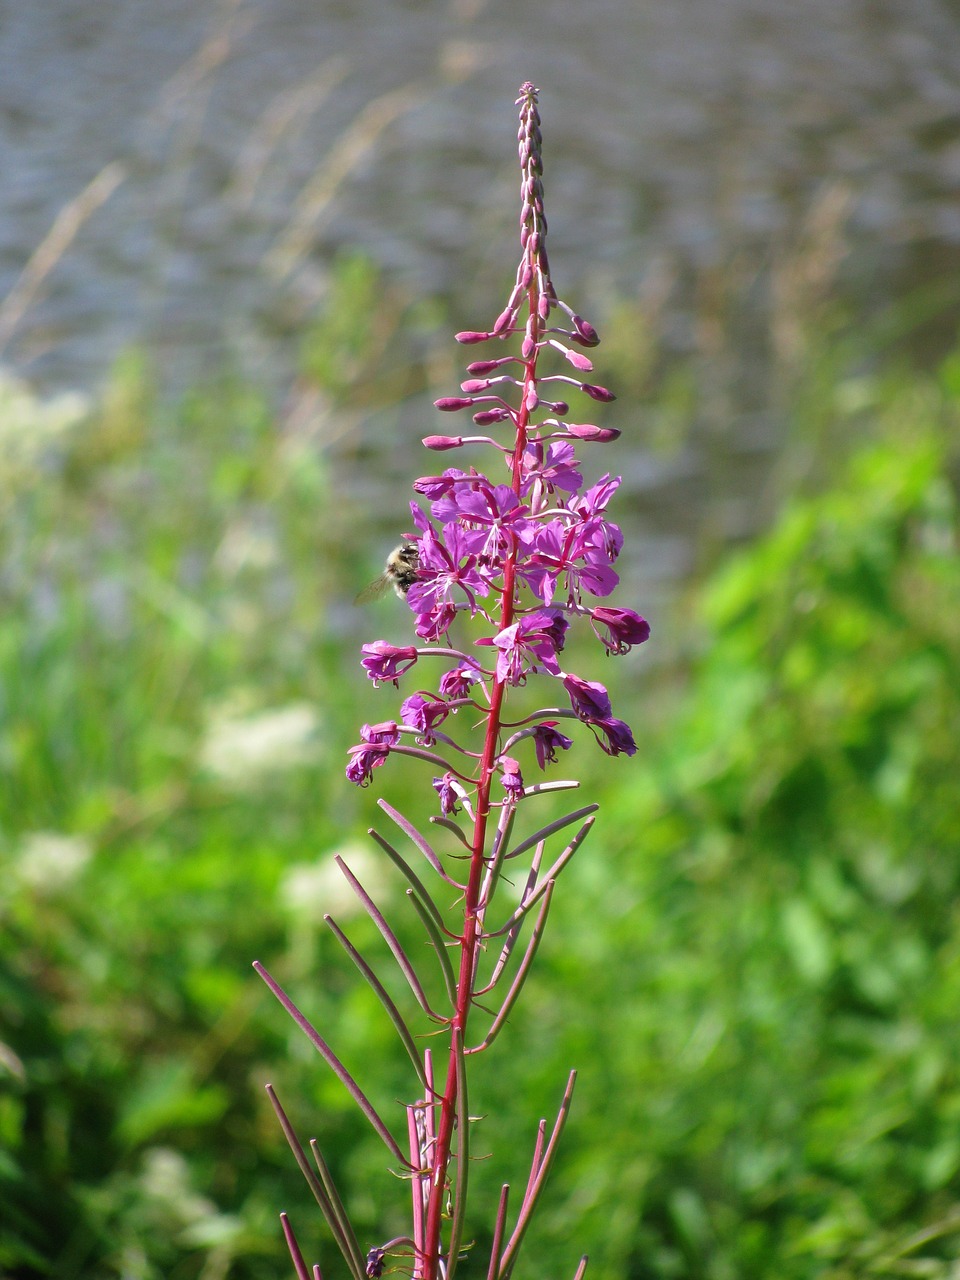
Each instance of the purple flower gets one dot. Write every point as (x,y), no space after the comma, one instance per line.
(547,740)
(436,622)
(444,565)
(456,683)
(596,498)
(511,777)
(589,699)
(528,644)
(557,471)
(617,738)
(567,552)
(372,751)
(423,714)
(385,661)
(450,794)
(619,629)
(495,518)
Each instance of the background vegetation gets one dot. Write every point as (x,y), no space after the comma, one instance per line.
(755,965)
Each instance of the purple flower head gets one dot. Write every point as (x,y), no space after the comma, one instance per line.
(527,645)
(567,552)
(457,682)
(547,741)
(496,518)
(511,777)
(423,714)
(557,471)
(385,661)
(445,564)
(589,699)
(436,622)
(480,547)
(387,731)
(450,794)
(595,500)
(372,751)
(617,738)
(619,629)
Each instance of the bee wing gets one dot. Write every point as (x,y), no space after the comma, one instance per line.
(373,589)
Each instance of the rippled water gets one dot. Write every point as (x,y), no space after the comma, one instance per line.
(234,146)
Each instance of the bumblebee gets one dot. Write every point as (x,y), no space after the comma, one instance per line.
(400,572)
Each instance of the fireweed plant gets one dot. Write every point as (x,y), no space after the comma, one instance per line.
(516,556)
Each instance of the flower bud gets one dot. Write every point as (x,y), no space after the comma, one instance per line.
(450,404)
(597,393)
(504,320)
(484,417)
(585,331)
(439,443)
(587,431)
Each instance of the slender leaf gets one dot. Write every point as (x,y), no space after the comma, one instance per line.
(521,975)
(541,888)
(334,1063)
(495,864)
(499,1225)
(406,870)
(420,1175)
(393,1013)
(407,827)
(390,938)
(538,1177)
(450,825)
(339,1209)
(298,1263)
(516,929)
(540,787)
(436,939)
(552,828)
(331,1208)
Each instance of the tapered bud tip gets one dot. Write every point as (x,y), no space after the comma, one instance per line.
(597,393)
(485,417)
(587,431)
(504,320)
(468,336)
(585,331)
(579,361)
(450,404)
(439,443)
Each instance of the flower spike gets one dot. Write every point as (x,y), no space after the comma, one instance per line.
(502,561)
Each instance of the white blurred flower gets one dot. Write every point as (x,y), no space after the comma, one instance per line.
(311,890)
(49,860)
(28,425)
(239,749)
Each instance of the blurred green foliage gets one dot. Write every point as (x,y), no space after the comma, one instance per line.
(755,962)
